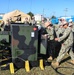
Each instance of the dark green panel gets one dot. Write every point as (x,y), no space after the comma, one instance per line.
(4,35)
(43,46)
(24,42)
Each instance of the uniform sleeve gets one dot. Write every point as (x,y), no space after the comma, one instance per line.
(51,32)
(65,35)
(73,28)
(58,32)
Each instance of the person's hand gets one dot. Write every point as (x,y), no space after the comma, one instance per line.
(62,44)
(56,39)
(45,36)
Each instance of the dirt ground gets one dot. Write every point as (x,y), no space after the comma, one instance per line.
(65,68)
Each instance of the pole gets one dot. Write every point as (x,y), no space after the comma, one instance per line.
(43,12)
(66,10)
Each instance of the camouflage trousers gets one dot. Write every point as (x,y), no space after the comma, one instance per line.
(63,51)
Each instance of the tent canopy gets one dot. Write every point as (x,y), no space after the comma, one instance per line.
(14,15)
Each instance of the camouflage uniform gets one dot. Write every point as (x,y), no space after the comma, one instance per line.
(60,32)
(33,22)
(67,39)
(51,45)
(71,25)
(73,35)
(50,33)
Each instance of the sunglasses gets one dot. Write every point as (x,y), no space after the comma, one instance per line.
(65,24)
(47,26)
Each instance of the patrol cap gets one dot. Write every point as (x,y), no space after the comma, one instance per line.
(70,20)
(65,22)
(63,18)
(70,24)
(48,23)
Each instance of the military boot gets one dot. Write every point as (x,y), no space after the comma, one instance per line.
(72,61)
(50,58)
(56,64)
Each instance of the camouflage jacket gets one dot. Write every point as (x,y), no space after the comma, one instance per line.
(67,37)
(73,28)
(60,32)
(50,33)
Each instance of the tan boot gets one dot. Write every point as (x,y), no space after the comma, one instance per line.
(56,64)
(50,58)
(72,61)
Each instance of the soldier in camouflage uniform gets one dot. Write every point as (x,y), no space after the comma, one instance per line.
(67,43)
(72,27)
(33,22)
(50,36)
(60,31)
(71,24)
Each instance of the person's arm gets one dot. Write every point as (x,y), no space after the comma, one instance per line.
(65,35)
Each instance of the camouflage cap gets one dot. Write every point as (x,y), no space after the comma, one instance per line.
(47,23)
(64,23)
(63,18)
(70,20)
(70,24)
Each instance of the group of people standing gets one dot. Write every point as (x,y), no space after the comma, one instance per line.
(5,26)
(64,35)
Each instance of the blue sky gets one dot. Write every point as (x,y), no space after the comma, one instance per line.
(44,7)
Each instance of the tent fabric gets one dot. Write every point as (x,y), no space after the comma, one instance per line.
(14,15)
